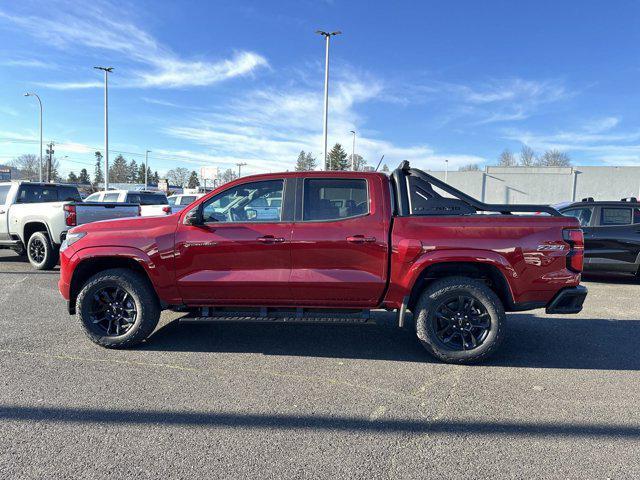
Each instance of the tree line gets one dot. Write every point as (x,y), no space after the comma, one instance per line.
(527,158)
(338,159)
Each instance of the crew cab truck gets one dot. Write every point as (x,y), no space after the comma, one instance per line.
(343,243)
(151,202)
(611,233)
(35,218)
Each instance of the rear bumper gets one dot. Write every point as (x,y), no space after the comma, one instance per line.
(568,300)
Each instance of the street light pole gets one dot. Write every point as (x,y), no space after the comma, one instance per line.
(327,36)
(106,70)
(146,167)
(30,94)
(353,152)
(446,170)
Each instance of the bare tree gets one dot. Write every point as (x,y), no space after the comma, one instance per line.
(360,163)
(527,157)
(227,176)
(471,167)
(507,159)
(28,166)
(555,158)
(178,176)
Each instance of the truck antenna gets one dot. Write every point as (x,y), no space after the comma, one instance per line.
(378,166)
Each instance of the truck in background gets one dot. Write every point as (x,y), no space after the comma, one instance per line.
(35,218)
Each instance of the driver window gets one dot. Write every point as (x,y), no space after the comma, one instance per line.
(249,202)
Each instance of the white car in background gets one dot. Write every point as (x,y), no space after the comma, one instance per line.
(152,203)
(178,202)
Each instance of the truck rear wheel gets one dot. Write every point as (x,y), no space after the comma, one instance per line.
(41,253)
(118,308)
(459,320)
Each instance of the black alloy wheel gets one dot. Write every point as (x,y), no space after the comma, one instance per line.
(37,250)
(461,322)
(113,311)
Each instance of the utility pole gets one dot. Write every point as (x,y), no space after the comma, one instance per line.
(30,94)
(240,165)
(146,167)
(107,71)
(327,36)
(50,152)
(353,152)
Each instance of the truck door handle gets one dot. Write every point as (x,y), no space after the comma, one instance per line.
(270,239)
(360,239)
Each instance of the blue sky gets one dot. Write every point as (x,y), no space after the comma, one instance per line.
(216,83)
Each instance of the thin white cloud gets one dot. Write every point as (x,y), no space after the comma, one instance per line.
(71,85)
(267,128)
(494,101)
(27,63)
(596,140)
(103,26)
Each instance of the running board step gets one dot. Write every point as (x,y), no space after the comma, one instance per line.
(263,315)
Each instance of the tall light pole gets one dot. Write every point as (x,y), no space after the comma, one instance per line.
(107,71)
(30,94)
(240,165)
(327,36)
(353,152)
(446,170)
(146,167)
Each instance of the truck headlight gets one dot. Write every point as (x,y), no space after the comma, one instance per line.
(70,239)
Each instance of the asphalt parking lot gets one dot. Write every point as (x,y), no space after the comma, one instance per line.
(560,400)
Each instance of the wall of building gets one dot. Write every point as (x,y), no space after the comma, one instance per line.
(547,185)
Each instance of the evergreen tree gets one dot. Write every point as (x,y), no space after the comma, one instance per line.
(310,161)
(98,177)
(133,172)
(140,174)
(84,177)
(73,178)
(119,170)
(338,158)
(301,163)
(193,180)
(155,177)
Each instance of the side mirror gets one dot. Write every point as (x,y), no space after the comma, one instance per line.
(194,217)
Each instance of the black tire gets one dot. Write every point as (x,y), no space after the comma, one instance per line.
(141,297)
(41,253)
(484,306)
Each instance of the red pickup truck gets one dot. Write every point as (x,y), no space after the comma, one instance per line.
(328,246)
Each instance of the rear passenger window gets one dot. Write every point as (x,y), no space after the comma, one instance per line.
(110,197)
(133,198)
(582,214)
(66,194)
(636,215)
(153,199)
(615,216)
(4,190)
(37,193)
(334,198)
(187,200)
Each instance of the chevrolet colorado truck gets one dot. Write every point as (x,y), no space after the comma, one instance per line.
(341,244)
(35,218)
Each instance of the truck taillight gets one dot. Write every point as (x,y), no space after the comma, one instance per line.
(166,209)
(575,258)
(70,218)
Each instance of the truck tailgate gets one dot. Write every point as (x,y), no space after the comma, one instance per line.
(88,212)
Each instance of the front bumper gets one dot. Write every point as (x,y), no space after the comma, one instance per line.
(568,300)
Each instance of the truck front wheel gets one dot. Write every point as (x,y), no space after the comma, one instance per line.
(117,308)
(41,253)
(459,320)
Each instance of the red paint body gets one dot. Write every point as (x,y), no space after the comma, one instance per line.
(368,261)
